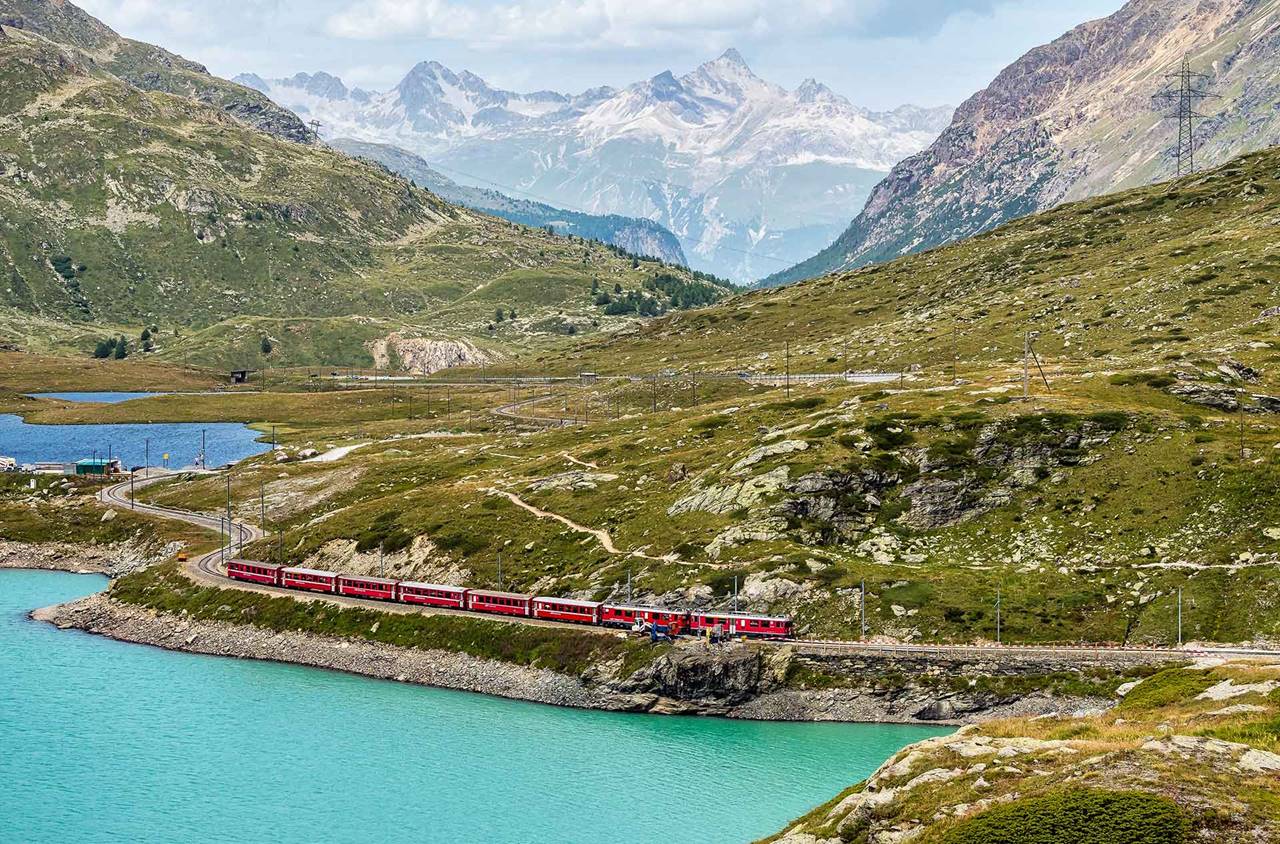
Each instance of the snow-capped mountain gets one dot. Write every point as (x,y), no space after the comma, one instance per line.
(749,175)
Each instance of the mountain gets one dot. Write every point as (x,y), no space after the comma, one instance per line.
(155,204)
(637,236)
(1074,119)
(145,66)
(750,176)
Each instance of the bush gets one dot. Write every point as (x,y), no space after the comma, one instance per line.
(1167,687)
(1082,816)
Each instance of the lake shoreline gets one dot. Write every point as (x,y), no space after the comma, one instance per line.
(738,682)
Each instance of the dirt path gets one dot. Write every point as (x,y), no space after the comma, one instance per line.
(602,536)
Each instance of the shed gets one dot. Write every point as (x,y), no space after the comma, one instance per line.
(99,466)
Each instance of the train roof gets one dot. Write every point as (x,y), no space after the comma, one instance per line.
(384,581)
(487,593)
(256,563)
(571,602)
(639,608)
(443,586)
(319,572)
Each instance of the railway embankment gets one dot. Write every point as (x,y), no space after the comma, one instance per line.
(611,673)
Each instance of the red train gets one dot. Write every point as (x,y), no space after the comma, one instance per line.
(625,616)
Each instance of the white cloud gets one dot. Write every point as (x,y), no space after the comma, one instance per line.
(636,23)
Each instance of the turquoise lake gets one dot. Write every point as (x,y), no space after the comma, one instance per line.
(223,442)
(102,741)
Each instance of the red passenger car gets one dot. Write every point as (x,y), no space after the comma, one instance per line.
(505,603)
(357,586)
(268,573)
(309,579)
(738,624)
(567,609)
(433,595)
(623,615)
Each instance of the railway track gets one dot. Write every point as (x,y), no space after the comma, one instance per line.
(208,569)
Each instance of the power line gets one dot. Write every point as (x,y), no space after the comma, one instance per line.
(1183,91)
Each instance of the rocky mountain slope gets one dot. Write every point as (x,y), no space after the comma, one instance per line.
(736,166)
(635,235)
(1074,119)
(160,204)
(146,66)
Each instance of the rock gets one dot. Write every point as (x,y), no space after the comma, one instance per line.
(1227,689)
(764,452)
(1239,709)
(577,479)
(726,499)
(1235,369)
(109,516)
(677,473)
(1259,761)
(1206,395)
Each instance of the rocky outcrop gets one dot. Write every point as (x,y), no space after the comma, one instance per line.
(423,356)
(111,560)
(731,497)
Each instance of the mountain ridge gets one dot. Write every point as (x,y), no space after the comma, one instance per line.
(746,173)
(636,236)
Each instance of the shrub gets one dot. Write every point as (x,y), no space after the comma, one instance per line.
(1169,686)
(1081,816)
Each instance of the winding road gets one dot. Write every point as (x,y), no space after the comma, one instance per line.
(207,569)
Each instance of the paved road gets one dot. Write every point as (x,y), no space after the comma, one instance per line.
(208,569)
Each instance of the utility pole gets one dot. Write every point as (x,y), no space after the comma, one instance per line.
(1179,616)
(999,631)
(1240,415)
(228,512)
(146,460)
(628,586)
(735,593)
(382,567)
(955,354)
(655,393)
(788,376)
(1182,93)
(499,571)
(862,608)
(133,498)
(204,462)
(262,506)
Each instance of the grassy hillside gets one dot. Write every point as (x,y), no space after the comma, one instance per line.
(1131,279)
(130,206)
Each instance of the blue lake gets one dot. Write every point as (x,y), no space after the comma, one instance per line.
(226,442)
(102,741)
(99,398)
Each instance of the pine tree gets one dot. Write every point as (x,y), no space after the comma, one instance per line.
(122,348)
(266,345)
(498,315)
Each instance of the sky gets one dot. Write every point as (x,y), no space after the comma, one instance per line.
(878,53)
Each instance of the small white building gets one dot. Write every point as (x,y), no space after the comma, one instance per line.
(8,464)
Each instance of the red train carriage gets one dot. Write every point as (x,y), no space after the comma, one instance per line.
(357,586)
(737,624)
(624,615)
(268,573)
(312,580)
(567,609)
(433,595)
(506,603)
